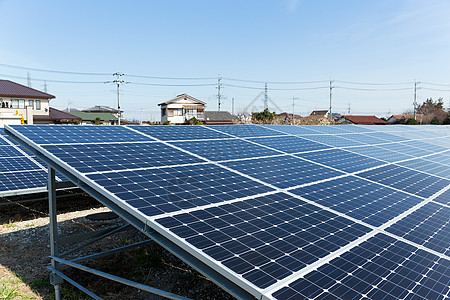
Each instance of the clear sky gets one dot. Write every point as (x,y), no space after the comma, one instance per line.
(360,45)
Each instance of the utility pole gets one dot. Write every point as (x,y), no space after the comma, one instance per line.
(415,99)
(266,100)
(293,109)
(331,89)
(219,97)
(232,106)
(45,86)
(348,111)
(118,81)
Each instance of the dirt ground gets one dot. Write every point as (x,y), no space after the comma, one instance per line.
(24,250)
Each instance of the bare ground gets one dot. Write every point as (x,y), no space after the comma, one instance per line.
(24,250)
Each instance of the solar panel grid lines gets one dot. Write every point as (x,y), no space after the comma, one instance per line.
(363,272)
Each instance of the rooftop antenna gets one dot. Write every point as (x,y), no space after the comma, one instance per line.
(118,81)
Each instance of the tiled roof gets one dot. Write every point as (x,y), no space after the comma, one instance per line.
(319,113)
(12,89)
(55,114)
(86,116)
(185,96)
(364,120)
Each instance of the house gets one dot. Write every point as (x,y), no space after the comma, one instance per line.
(103,109)
(92,118)
(361,120)
(396,118)
(56,116)
(218,118)
(19,103)
(319,113)
(182,108)
(287,118)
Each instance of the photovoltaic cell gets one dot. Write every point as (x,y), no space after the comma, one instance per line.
(264,239)
(9,151)
(381,268)
(342,160)
(428,226)
(113,156)
(158,191)
(406,149)
(439,158)
(363,138)
(289,144)
(407,180)
(282,171)
(217,150)
(359,198)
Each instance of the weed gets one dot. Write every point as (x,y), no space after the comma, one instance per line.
(10,224)
(7,290)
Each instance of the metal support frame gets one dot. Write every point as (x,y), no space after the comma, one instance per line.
(57,277)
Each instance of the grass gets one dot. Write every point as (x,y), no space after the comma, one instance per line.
(8,290)
(10,224)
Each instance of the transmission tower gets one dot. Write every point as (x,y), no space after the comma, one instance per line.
(118,81)
(266,99)
(219,96)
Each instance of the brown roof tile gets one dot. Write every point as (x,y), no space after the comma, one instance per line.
(12,89)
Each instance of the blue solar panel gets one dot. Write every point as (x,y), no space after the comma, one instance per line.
(67,134)
(267,238)
(225,149)
(246,130)
(407,180)
(158,191)
(428,226)
(363,138)
(359,198)
(332,140)
(379,153)
(443,198)
(429,167)
(329,129)
(283,171)
(406,149)
(289,144)
(23,180)
(439,158)
(168,133)
(342,160)
(295,130)
(112,156)
(381,268)
(10,151)
(386,136)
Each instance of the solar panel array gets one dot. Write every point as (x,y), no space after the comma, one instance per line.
(286,212)
(20,171)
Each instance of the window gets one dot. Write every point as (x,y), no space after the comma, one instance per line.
(21,103)
(177,111)
(38,104)
(31,103)
(163,112)
(14,103)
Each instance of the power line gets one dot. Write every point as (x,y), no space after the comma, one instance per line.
(275,82)
(369,83)
(53,71)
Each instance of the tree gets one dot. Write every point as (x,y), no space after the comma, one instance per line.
(264,117)
(194,121)
(411,121)
(433,111)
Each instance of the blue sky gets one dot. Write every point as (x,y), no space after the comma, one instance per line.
(363,42)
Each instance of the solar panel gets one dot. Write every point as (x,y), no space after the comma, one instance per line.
(283,212)
(20,172)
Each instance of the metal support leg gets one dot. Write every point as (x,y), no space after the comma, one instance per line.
(54,278)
